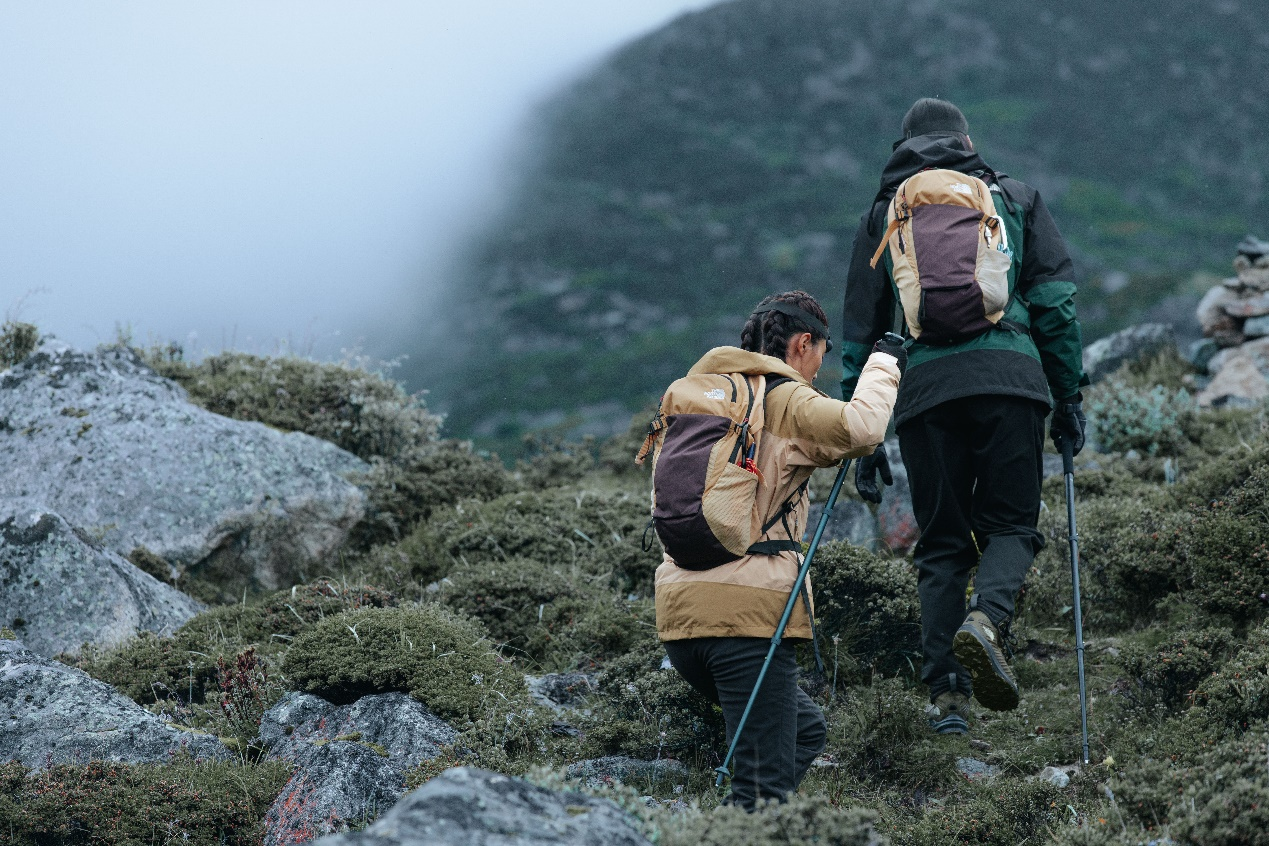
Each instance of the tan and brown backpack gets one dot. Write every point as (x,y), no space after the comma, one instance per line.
(949,255)
(703,441)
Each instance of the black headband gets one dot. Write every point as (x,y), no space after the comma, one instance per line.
(793,311)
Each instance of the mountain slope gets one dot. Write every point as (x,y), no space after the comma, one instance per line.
(731,153)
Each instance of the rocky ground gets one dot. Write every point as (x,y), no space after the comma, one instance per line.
(257,600)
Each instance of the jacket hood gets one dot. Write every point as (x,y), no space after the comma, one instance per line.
(936,149)
(736,360)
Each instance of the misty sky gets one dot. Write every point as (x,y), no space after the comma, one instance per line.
(262,174)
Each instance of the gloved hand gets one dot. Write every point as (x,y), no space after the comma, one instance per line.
(866,470)
(892,344)
(1069,423)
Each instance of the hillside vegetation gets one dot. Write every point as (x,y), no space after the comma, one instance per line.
(731,153)
(540,569)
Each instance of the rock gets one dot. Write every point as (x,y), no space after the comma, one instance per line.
(600,772)
(54,714)
(350,760)
(121,453)
(851,521)
(59,590)
(1255,305)
(465,806)
(976,770)
(1256,327)
(561,690)
(1201,352)
(1103,357)
(1214,322)
(1239,381)
(1253,247)
(1054,776)
(897,524)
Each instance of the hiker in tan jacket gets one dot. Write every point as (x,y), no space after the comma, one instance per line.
(717,623)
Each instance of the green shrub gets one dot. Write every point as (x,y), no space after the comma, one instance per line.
(443,660)
(17,341)
(560,619)
(1226,549)
(1219,795)
(599,534)
(1168,674)
(1237,695)
(803,821)
(646,712)
(362,412)
(870,603)
(209,803)
(553,462)
(1129,561)
(880,735)
(406,489)
(1151,420)
(183,667)
(1007,812)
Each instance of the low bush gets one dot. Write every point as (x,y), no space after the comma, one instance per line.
(880,735)
(362,412)
(559,619)
(1218,795)
(209,803)
(1168,674)
(405,490)
(441,659)
(1152,420)
(552,462)
(1226,551)
(1005,813)
(17,341)
(647,712)
(870,604)
(1236,696)
(803,821)
(599,534)
(184,666)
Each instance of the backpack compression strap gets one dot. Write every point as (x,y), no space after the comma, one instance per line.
(775,547)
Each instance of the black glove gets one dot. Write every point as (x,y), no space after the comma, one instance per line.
(1069,423)
(892,344)
(866,475)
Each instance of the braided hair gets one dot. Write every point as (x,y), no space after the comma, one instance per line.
(768,332)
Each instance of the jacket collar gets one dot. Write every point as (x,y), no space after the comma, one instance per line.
(736,360)
(935,149)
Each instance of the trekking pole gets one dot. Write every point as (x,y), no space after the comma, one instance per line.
(722,770)
(1068,469)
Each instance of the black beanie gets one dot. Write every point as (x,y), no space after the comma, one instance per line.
(929,114)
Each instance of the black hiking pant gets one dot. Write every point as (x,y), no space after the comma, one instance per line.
(975,466)
(785,730)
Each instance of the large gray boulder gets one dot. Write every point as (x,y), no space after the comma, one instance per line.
(121,453)
(54,714)
(470,807)
(59,590)
(350,759)
(1105,356)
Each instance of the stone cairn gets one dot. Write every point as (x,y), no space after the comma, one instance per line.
(1234,316)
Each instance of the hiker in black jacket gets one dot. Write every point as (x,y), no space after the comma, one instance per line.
(970,419)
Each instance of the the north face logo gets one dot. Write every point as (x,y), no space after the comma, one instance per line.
(715,394)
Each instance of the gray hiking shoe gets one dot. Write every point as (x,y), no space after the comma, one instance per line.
(978,648)
(949,713)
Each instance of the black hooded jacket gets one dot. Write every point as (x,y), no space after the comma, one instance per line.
(1037,350)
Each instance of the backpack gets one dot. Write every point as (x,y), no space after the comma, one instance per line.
(704,480)
(950,256)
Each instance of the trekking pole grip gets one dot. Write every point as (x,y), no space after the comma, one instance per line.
(1068,457)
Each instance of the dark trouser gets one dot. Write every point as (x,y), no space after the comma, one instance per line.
(974,465)
(785,730)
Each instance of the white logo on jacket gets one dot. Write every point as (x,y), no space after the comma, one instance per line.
(716,393)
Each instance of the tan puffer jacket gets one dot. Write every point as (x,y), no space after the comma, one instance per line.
(804,430)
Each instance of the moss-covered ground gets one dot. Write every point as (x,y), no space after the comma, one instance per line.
(472,575)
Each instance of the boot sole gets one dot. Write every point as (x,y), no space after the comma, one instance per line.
(951,724)
(992,687)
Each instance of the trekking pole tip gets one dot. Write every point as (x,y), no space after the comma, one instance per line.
(722,774)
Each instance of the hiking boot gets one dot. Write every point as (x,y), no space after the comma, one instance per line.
(949,713)
(978,648)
